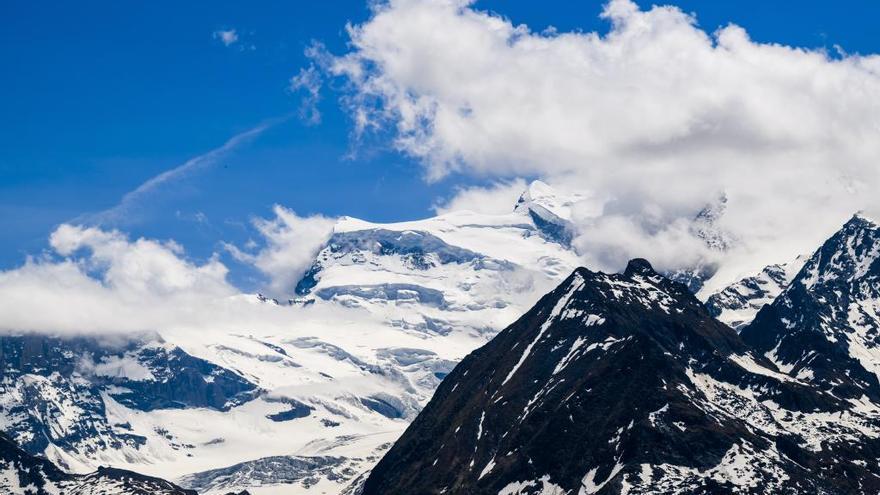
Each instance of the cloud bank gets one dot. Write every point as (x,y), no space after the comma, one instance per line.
(658,119)
(95,280)
(101,281)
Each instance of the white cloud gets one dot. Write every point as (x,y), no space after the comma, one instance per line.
(101,282)
(228,37)
(308,80)
(498,198)
(108,283)
(658,118)
(143,267)
(290,245)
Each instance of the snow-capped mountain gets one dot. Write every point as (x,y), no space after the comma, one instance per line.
(59,394)
(380,318)
(824,326)
(21,472)
(738,303)
(624,383)
(549,210)
(705,227)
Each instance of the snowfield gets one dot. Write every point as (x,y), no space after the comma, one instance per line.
(384,313)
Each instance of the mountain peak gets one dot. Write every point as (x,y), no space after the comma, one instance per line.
(639,266)
(537,189)
(824,324)
(550,210)
(606,386)
(541,195)
(849,255)
(863,219)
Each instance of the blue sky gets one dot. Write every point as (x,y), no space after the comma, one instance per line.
(99,97)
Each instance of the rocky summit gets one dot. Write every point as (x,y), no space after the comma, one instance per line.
(626,384)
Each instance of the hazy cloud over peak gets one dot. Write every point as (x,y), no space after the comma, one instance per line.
(289,245)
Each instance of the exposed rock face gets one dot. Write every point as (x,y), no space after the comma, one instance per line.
(287,470)
(625,384)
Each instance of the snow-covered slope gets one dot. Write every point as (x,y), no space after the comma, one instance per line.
(21,472)
(310,399)
(383,314)
(624,384)
(60,394)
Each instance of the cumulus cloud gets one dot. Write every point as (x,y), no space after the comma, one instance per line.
(142,267)
(657,118)
(100,281)
(497,198)
(290,243)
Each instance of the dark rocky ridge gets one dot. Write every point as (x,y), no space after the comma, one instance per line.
(826,319)
(615,383)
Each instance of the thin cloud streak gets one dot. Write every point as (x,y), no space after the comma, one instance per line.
(122,210)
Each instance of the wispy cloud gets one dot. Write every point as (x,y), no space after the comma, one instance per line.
(309,81)
(132,199)
(227,37)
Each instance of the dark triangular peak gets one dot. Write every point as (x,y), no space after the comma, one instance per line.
(639,266)
(851,254)
(824,326)
(618,383)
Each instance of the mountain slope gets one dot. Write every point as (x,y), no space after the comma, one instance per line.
(625,384)
(23,473)
(57,391)
(825,327)
(737,304)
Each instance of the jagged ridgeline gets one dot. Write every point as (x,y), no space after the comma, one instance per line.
(624,383)
(68,381)
(386,311)
(824,327)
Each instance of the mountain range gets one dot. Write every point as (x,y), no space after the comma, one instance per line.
(625,384)
(386,313)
